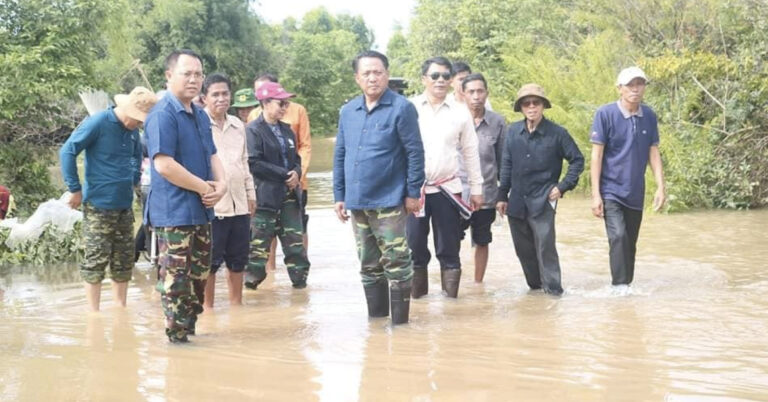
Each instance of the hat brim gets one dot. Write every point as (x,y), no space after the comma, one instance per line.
(284,95)
(245,104)
(623,84)
(547,104)
(121,100)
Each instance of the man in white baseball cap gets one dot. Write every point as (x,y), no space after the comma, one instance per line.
(625,139)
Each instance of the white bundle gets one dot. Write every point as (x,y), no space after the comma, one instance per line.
(54,212)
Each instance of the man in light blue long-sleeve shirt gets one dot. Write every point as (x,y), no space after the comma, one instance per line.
(113,156)
(378,172)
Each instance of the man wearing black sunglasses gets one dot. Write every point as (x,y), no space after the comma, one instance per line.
(445,128)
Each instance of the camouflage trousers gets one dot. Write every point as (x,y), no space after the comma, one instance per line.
(108,237)
(381,244)
(184,257)
(288,226)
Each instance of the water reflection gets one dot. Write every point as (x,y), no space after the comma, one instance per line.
(692,327)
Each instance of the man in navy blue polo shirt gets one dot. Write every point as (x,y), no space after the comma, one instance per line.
(625,138)
(378,172)
(187,181)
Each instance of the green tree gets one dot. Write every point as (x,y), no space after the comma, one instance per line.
(313,60)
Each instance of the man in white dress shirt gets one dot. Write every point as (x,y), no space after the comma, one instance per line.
(445,127)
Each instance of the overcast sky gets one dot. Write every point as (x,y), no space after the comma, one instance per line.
(380,15)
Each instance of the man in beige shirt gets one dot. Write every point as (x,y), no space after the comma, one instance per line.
(445,127)
(232,223)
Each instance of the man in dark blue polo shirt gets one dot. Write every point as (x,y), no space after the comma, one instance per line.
(187,181)
(378,172)
(530,186)
(625,139)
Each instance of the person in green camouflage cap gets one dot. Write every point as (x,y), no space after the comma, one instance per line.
(245,101)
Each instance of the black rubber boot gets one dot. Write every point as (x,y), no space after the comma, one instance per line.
(450,279)
(298,278)
(400,298)
(253,279)
(420,285)
(377,297)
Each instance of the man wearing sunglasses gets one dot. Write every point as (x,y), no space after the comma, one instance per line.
(446,127)
(530,186)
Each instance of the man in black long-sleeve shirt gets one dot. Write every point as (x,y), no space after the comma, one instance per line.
(532,162)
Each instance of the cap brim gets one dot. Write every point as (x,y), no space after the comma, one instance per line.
(284,95)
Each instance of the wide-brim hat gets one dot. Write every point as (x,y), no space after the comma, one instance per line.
(136,104)
(272,90)
(245,98)
(531,90)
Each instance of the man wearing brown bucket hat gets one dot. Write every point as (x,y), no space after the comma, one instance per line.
(113,156)
(530,187)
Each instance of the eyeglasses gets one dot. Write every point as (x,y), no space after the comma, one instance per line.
(282,102)
(531,102)
(189,74)
(435,76)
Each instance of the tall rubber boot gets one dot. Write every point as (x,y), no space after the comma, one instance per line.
(450,279)
(253,277)
(377,297)
(420,284)
(400,299)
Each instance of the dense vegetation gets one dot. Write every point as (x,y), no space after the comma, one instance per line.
(706,60)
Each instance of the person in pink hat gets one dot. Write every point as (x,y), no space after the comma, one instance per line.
(276,168)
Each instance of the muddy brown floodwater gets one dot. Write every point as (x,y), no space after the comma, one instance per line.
(693,327)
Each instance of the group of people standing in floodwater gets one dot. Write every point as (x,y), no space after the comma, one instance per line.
(222,187)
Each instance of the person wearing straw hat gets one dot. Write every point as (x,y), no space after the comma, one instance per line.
(113,155)
(625,140)
(245,102)
(276,168)
(530,186)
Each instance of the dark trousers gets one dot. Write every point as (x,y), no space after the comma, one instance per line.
(622,225)
(534,239)
(445,223)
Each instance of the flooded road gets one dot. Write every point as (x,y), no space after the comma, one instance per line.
(694,326)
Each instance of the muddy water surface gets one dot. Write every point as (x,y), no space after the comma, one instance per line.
(693,327)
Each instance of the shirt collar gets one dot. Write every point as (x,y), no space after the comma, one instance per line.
(176,103)
(483,120)
(541,128)
(422,100)
(626,113)
(386,99)
(230,121)
(112,116)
